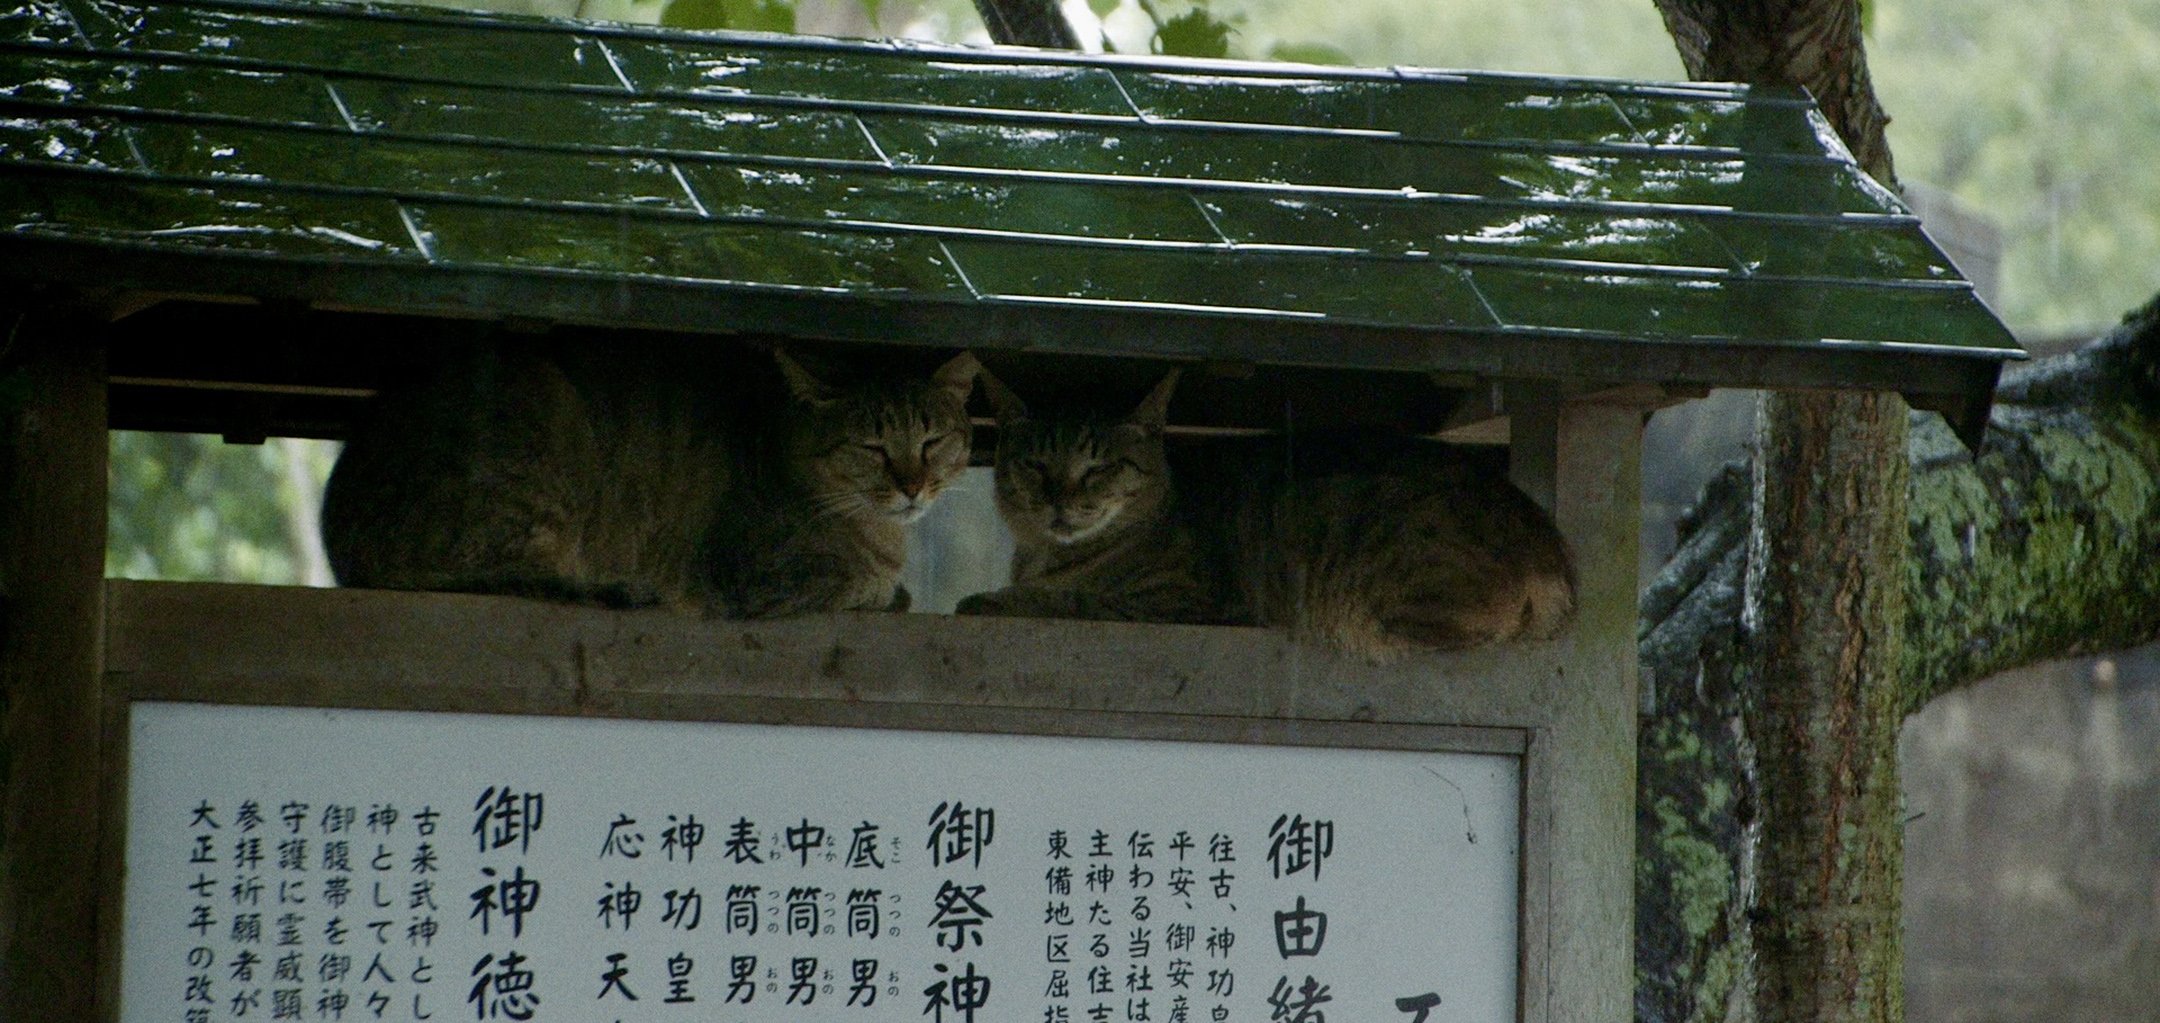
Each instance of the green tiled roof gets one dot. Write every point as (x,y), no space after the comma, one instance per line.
(381,158)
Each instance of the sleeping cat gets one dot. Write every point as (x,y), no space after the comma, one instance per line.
(716,482)
(1373,544)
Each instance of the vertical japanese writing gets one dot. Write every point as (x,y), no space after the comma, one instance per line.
(512,888)
(505,822)
(287,921)
(1142,938)
(683,905)
(382,980)
(1299,846)
(1058,921)
(619,904)
(1221,938)
(798,913)
(1122,927)
(199,998)
(959,835)
(333,966)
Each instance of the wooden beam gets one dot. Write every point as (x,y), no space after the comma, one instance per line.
(1597,487)
(1533,438)
(1482,416)
(295,646)
(52,533)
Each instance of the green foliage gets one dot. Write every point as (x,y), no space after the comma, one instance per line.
(1619,38)
(1195,33)
(1309,53)
(1175,29)
(2041,119)
(186,506)
(754,15)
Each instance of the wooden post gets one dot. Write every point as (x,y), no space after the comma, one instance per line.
(1596,487)
(52,562)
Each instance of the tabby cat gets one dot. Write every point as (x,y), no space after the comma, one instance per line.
(718,482)
(1373,544)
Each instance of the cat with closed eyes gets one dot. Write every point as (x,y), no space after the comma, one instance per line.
(715,481)
(1370,543)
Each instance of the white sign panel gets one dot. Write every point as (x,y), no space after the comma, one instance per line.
(289,864)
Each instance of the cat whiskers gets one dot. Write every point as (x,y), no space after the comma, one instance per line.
(840,503)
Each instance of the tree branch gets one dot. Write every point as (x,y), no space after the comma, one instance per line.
(2042,545)
(1028,23)
(1816,44)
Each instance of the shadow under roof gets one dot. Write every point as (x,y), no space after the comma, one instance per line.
(422,163)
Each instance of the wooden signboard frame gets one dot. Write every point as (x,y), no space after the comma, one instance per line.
(81,649)
(958,708)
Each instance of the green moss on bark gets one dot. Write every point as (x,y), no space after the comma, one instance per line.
(2043,545)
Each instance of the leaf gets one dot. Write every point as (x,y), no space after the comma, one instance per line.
(755,15)
(768,15)
(1195,33)
(695,14)
(1309,53)
(1102,8)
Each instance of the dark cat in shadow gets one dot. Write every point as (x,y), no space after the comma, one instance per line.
(716,481)
(1375,544)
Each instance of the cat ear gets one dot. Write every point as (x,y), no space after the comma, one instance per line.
(1004,404)
(806,388)
(958,375)
(1154,411)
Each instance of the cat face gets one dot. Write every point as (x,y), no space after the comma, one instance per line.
(1067,481)
(883,450)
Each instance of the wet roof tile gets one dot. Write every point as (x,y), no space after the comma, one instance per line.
(1462,211)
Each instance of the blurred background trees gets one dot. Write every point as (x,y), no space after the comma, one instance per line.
(191,507)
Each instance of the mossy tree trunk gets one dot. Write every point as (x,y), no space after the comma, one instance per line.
(1821,632)
(1823,629)
(2039,546)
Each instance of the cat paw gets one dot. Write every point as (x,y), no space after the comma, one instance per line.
(979,604)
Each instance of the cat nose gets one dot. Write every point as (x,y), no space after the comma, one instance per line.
(909,484)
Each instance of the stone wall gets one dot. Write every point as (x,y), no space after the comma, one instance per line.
(2032,871)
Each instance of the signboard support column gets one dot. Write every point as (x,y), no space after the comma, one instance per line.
(1597,484)
(52,533)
